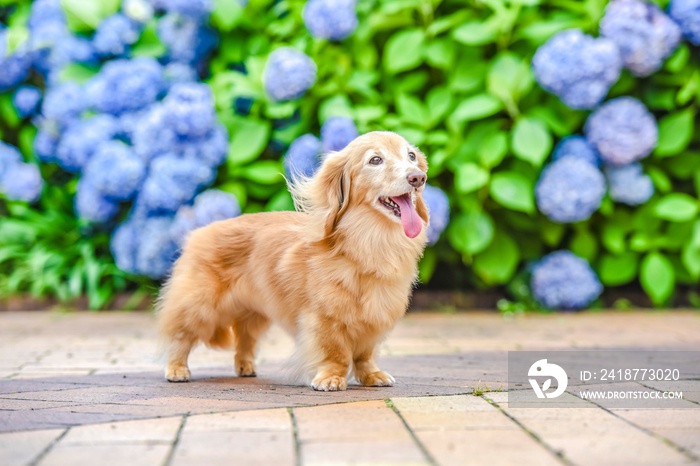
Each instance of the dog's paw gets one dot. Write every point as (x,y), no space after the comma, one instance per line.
(245,369)
(177,374)
(333,383)
(378,379)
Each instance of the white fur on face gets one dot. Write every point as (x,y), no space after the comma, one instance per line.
(390,178)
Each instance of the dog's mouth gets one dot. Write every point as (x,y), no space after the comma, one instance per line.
(402,208)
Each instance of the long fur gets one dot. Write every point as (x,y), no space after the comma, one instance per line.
(337,274)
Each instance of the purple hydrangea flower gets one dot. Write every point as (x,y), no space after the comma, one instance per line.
(91,205)
(187,40)
(303,157)
(81,140)
(115,35)
(439,210)
(577,68)
(115,171)
(562,280)
(576,146)
(210,206)
(63,104)
(628,184)
(9,157)
(26,100)
(338,132)
(172,182)
(211,149)
(643,33)
(622,130)
(190,109)
(330,19)
(15,66)
(288,74)
(686,13)
(126,85)
(21,182)
(569,190)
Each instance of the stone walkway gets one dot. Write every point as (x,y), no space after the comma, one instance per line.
(87,388)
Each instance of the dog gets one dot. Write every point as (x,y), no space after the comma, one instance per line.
(336,274)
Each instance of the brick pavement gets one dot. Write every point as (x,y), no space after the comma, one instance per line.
(80,387)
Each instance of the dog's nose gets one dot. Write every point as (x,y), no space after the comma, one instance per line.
(416,179)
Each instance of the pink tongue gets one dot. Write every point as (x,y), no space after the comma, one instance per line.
(409,217)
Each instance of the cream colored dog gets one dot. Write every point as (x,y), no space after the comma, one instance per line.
(337,274)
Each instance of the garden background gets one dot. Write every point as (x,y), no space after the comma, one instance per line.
(127,124)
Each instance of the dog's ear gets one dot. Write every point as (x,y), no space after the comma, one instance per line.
(334,181)
(422,209)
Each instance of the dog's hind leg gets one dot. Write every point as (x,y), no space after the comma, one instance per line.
(247,329)
(178,352)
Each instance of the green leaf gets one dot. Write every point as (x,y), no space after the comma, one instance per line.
(657,277)
(470,177)
(404,50)
(440,53)
(77,72)
(248,141)
(8,113)
(15,37)
(85,16)
(427,265)
(690,255)
(439,101)
(475,108)
(615,270)
(281,201)
(676,207)
(509,77)
(337,105)
(149,44)
(476,32)
(472,232)
(226,14)
(512,190)
(263,172)
(412,110)
(675,133)
(584,244)
(532,141)
(497,263)
(493,149)
(613,237)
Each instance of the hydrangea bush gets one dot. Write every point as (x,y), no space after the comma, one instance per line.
(560,135)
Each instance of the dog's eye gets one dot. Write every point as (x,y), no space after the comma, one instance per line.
(375,160)
(412,156)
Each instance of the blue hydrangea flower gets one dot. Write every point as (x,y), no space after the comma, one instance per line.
(330,19)
(210,206)
(64,50)
(21,182)
(288,74)
(15,66)
(143,246)
(45,144)
(126,85)
(91,205)
(439,210)
(152,135)
(190,109)
(211,149)
(628,184)
(577,68)
(562,280)
(569,190)
(115,35)
(179,73)
(172,182)
(196,9)
(81,140)
(303,157)
(187,40)
(338,132)
(26,100)
(576,146)
(115,171)
(9,157)
(686,13)
(63,104)
(643,33)
(138,10)
(622,130)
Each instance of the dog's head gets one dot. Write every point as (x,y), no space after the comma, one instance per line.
(379,172)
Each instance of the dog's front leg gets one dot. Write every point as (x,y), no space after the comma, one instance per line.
(367,372)
(335,361)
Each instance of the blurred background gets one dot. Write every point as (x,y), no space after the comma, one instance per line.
(564,166)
